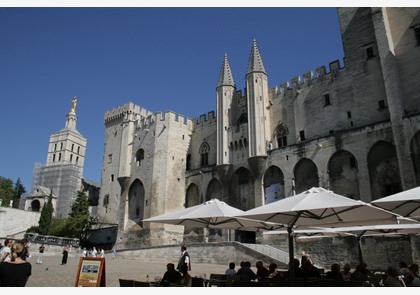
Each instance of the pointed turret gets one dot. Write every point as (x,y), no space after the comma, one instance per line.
(226,77)
(257,102)
(224,91)
(255,63)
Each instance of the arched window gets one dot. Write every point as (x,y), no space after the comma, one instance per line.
(106,200)
(204,154)
(139,156)
(281,134)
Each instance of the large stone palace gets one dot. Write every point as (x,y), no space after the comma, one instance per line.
(351,128)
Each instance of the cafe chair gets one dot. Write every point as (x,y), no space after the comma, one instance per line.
(141,284)
(126,283)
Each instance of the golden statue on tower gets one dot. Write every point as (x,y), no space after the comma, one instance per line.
(73,105)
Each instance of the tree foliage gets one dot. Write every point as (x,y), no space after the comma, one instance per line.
(10,191)
(79,223)
(45,219)
(80,206)
(19,191)
(7,190)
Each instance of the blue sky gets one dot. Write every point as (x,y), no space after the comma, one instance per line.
(164,58)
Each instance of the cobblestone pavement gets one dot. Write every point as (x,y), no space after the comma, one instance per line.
(52,274)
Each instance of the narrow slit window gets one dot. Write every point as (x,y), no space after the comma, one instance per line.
(369,52)
(302,135)
(417,34)
(381,104)
(327,99)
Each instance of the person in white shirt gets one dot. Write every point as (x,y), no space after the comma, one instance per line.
(5,254)
(231,270)
(184,260)
(94,252)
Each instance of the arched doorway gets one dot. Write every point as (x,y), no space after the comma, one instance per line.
(384,174)
(273,185)
(305,175)
(342,175)
(214,190)
(136,201)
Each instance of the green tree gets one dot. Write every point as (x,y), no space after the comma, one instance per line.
(80,222)
(6,190)
(46,216)
(19,191)
(80,206)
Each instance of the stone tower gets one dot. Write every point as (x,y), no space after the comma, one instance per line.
(63,170)
(257,98)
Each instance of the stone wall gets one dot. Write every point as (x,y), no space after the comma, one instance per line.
(14,222)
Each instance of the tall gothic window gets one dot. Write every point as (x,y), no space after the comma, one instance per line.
(139,156)
(188,162)
(204,154)
(281,135)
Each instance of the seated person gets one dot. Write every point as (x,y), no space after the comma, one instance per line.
(311,273)
(412,278)
(262,271)
(231,270)
(392,279)
(346,273)
(171,276)
(274,278)
(334,273)
(361,273)
(297,268)
(246,272)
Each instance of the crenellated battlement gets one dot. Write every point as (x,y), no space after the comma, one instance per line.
(124,111)
(205,120)
(309,78)
(171,117)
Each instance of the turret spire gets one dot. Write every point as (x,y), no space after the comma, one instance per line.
(255,61)
(226,77)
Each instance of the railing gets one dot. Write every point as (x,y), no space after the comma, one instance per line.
(269,251)
(52,240)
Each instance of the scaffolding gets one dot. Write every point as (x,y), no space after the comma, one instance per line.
(64,180)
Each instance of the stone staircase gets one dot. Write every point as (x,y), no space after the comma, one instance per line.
(269,251)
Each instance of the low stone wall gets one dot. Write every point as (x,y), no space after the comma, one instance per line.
(208,253)
(378,252)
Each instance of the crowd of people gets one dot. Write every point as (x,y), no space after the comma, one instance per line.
(96,252)
(402,276)
(15,270)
